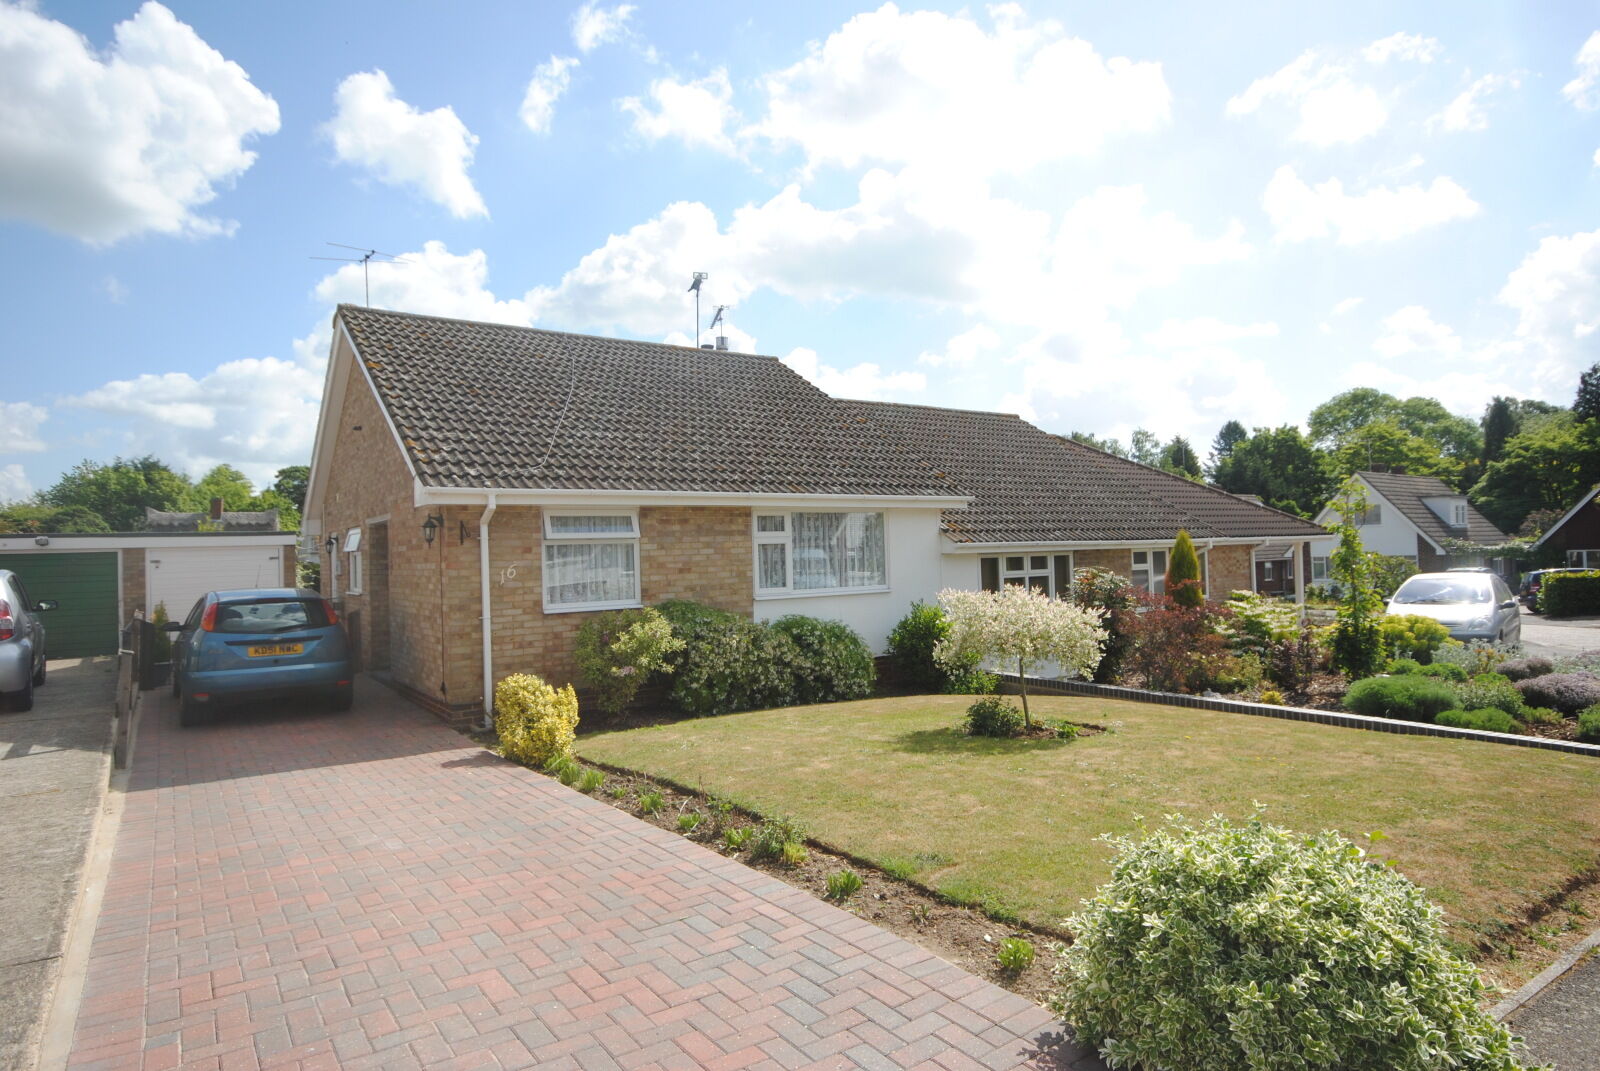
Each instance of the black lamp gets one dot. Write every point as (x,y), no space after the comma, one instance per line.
(431,526)
(331,542)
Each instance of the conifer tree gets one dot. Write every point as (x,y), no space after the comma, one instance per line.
(1183,573)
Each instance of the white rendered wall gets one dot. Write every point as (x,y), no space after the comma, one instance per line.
(912,544)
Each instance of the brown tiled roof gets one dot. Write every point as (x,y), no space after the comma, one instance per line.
(1029,486)
(493,406)
(1406,493)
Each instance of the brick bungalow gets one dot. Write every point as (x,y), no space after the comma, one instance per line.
(480,489)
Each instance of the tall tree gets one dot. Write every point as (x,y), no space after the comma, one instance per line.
(1544,468)
(1499,424)
(1281,467)
(1455,436)
(1587,403)
(1179,458)
(224,482)
(1341,416)
(1183,573)
(290,482)
(1108,444)
(1144,447)
(119,492)
(1385,444)
(1230,435)
(33,517)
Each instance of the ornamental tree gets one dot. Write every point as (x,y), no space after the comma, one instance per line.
(1022,627)
(1183,573)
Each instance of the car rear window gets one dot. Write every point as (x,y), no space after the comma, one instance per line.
(270,615)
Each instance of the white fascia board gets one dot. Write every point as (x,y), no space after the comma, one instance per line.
(953,547)
(146,540)
(1565,517)
(423,495)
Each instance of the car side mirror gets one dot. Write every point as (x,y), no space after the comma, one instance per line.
(1509,604)
(45,604)
(172,626)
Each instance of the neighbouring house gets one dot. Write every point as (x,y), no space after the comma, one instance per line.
(1576,536)
(99,579)
(1419,518)
(217,519)
(480,490)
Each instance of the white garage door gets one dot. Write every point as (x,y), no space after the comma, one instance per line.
(178,576)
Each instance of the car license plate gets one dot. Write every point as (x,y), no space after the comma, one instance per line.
(271,650)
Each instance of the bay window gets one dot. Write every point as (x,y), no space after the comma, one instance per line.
(819,552)
(591,561)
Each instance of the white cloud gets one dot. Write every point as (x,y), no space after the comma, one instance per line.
(548,84)
(19,427)
(432,281)
(1414,330)
(1205,331)
(1332,107)
(1556,294)
(115,289)
(428,151)
(1406,46)
(102,147)
(593,25)
(865,380)
(697,113)
(963,350)
(1347,305)
(1469,111)
(14,484)
(1299,211)
(892,86)
(1584,90)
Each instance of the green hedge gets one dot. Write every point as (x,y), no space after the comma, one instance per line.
(1570,594)
(1488,719)
(1410,698)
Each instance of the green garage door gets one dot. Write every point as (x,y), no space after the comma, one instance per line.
(85,587)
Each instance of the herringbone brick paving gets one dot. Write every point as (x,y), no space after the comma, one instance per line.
(293,888)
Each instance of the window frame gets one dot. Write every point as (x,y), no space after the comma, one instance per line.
(591,539)
(1458,514)
(1325,561)
(354,573)
(785,539)
(1157,576)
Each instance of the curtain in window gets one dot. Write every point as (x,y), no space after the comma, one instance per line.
(580,573)
(774,566)
(837,550)
(596,524)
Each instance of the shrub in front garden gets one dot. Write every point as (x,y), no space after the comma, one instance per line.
(1178,648)
(993,716)
(734,664)
(1412,698)
(1570,594)
(1489,719)
(1116,599)
(1412,636)
(1566,692)
(1520,669)
(1490,690)
(1589,725)
(1250,946)
(617,651)
(1475,657)
(911,644)
(1256,623)
(535,722)
(1292,662)
(1183,573)
(831,663)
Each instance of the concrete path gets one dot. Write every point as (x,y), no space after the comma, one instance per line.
(298,888)
(54,766)
(1561,1025)
(1563,636)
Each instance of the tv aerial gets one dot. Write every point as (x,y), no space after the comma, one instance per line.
(366,258)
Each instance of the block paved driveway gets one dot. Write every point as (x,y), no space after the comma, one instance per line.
(298,888)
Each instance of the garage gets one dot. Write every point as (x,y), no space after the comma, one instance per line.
(176,576)
(85,585)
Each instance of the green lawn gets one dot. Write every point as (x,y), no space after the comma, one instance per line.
(1487,829)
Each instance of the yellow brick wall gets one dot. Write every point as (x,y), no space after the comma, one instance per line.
(1118,561)
(133,592)
(1232,568)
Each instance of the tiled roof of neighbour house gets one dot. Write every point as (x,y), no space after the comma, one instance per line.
(1406,493)
(1029,486)
(265,520)
(492,406)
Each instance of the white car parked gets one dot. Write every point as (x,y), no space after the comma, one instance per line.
(1473,606)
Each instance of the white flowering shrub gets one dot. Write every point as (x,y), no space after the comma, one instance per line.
(1224,947)
(1022,628)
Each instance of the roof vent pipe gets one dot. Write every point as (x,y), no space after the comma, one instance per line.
(722,342)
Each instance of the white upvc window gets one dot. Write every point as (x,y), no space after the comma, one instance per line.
(1150,570)
(1319,568)
(819,553)
(1049,571)
(1459,514)
(591,560)
(352,554)
(1583,559)
(1370,516)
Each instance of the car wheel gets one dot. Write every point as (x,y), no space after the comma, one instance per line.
(191,713)
(38,677)
(344,698)
(23,700)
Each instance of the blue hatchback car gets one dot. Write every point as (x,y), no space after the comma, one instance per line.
(257,644)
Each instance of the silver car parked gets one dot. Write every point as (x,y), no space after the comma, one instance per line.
(21,642)
(1473,606)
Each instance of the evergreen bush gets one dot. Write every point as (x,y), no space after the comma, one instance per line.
(617,651)
(832,662)
(1183,573)
(1566,692)
(535,722)
(1414,698)
(1488,719)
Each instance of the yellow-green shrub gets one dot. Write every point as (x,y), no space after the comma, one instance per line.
(536,722)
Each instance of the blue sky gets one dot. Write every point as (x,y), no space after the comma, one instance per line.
(1100,216)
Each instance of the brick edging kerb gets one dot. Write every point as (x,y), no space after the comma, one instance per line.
(1322,717)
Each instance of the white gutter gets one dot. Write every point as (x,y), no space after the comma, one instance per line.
(424,495)
(488,618)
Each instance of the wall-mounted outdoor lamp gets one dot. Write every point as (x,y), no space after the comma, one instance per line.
(431,526)
(332,543)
